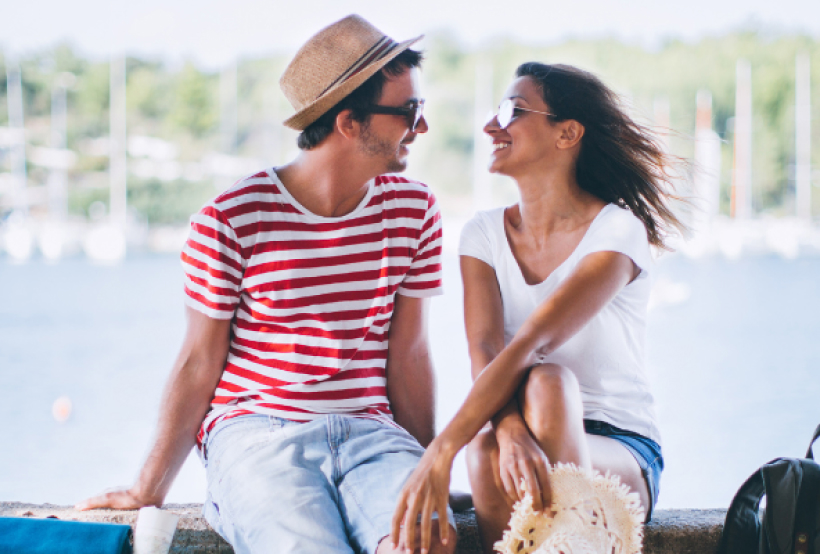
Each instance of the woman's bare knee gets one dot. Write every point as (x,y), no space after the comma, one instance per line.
(552,408)
(551,397)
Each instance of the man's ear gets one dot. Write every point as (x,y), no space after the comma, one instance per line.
(346,125)
(571,134)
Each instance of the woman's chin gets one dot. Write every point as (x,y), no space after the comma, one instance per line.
(496,167)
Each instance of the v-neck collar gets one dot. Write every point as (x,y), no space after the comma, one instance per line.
(509,251)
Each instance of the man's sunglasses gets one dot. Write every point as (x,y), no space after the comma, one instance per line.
(507,112)
(412,113)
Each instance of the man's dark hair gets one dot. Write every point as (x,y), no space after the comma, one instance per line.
(359,100)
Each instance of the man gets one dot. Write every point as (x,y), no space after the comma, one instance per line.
(305,377)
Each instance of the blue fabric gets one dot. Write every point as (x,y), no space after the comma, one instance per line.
(327,486)
(20,535)
(646,452)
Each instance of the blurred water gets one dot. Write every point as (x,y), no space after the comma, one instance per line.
(734,347)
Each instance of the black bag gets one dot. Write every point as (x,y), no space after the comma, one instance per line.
(791,524)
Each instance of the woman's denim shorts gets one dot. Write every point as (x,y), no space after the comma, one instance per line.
(646,451)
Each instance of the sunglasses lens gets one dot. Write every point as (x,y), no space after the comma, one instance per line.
(505,113)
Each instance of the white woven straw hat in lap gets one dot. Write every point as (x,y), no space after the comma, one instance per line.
(590,514)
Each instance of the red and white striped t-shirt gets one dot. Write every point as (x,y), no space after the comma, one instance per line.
(311,297)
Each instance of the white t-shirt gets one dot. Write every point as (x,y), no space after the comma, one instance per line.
(608,354)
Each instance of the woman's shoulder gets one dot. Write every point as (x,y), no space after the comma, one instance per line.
(488,222)
(492,215)
(481,235)
(618,229)
(620,221)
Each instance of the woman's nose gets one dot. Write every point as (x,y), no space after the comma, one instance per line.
(492,124)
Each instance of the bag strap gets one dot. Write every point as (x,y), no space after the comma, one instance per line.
(805,517)
(741,531)
(809,453)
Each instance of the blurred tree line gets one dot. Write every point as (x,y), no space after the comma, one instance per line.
(185,106)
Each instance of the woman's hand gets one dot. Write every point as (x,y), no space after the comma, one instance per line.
(426,491)
(522,464)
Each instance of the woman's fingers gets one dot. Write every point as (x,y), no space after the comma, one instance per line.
(398,518)
(411,516)
(520,488)
(542,472)
(443,522)
(533,486)
(509,481)
(425,492)
(426,524)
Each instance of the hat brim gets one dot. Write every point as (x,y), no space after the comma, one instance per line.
(313,111)
(562,525)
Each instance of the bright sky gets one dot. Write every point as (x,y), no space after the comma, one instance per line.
(213,32)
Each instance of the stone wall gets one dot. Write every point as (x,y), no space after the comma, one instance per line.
(671,531)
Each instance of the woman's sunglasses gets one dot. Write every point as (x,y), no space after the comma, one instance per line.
(507,112)
(412,113)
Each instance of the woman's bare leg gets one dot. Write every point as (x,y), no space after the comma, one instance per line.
(552,408)
(492,505)
(550,401)
(610,455)
(559,428)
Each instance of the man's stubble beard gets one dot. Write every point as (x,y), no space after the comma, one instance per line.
(376,147)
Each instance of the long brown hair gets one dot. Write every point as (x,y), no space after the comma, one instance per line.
(620,160)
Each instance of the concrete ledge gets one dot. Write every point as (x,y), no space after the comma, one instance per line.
(671,532)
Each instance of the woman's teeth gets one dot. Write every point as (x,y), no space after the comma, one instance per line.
(500,146)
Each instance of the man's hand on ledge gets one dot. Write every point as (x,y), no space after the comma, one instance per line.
(123,499)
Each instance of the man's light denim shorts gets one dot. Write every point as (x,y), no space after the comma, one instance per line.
(646,452)
(329,485)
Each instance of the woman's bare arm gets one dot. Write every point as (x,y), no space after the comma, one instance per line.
(596,280)
(519,453)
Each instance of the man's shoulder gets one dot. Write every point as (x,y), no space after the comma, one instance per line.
(408,192)
(250,188)
(401,182)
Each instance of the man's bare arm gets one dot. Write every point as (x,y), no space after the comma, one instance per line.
(410,381)
(185,402)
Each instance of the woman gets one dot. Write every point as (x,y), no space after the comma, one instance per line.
(556,289)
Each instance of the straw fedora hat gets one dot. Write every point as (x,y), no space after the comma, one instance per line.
(332,64)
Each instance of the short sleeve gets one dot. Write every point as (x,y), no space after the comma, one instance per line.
(424,277)
(476,240)
(619,231)
(213,265)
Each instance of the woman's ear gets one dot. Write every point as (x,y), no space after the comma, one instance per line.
(571,134)
(346,125)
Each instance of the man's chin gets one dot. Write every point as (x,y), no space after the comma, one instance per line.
(396,166)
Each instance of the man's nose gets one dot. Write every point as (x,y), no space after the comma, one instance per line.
(422,126)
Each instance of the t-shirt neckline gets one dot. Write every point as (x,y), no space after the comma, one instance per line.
(316,217)
(509,252)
